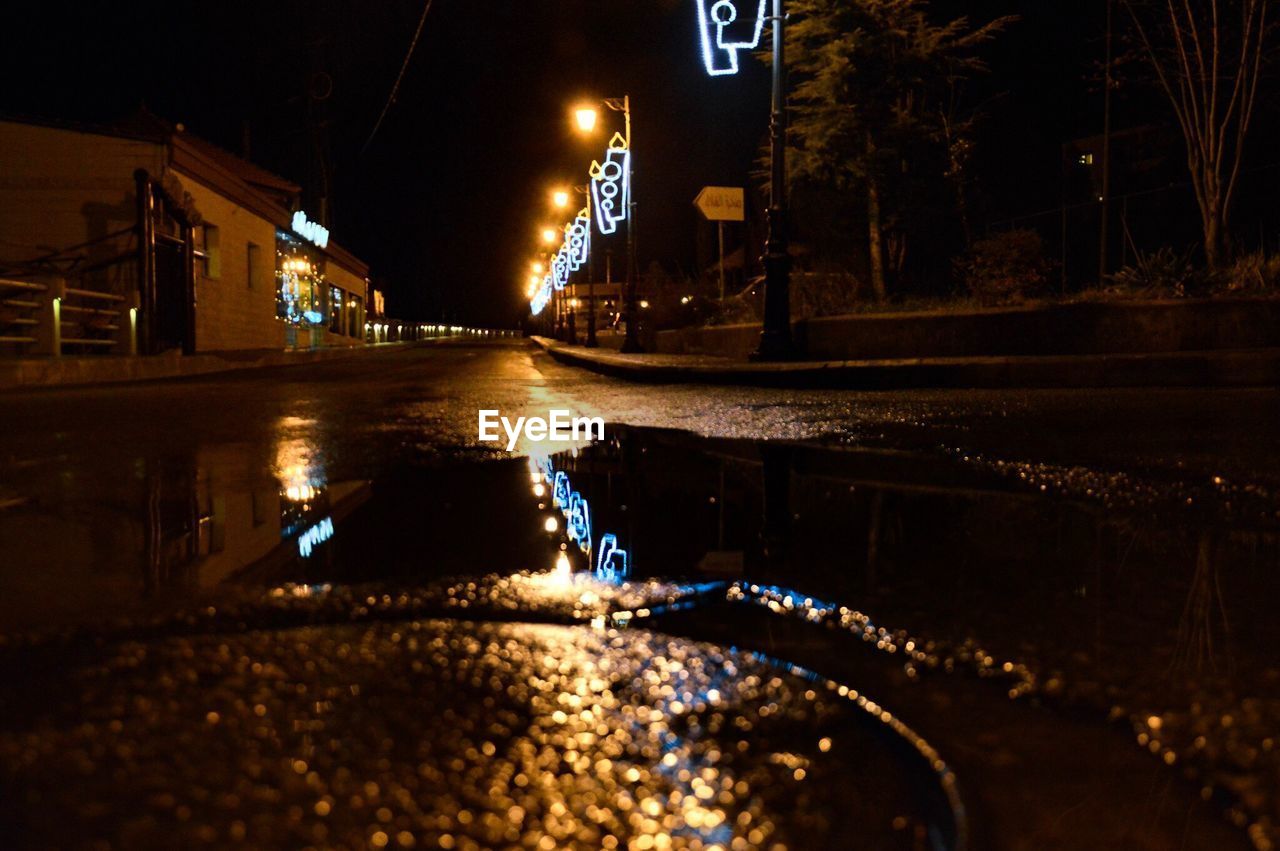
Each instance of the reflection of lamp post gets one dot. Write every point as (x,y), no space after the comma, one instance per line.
(587,119)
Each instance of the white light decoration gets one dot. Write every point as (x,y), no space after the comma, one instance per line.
(724,36)
(578,236)
(541,299)
(309,230)
(560,269)
(611,186)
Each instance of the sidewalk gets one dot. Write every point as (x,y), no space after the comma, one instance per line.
(28,373)
(1226,368)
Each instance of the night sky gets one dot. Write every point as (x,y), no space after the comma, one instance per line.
(446,200)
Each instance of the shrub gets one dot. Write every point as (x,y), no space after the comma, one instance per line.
(1253,273)
(1163,272)
(1005,268)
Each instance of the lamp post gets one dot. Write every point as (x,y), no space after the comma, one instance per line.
(587,118)
(721,54)
(775,339)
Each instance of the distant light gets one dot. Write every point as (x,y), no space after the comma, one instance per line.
(538,267)
(551,524)
(549,236)
(644,304)
(560,198)
(539,490)
(686,299)
(587,117)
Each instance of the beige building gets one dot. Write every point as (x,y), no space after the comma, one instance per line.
(144,232)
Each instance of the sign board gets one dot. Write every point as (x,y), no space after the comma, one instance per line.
(722,204)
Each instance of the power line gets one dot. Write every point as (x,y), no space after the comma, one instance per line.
(399,77)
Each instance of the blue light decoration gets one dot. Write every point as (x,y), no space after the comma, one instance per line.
(725,33)
(578,236)
(612,564)
(560,492)
(315,536)
(611,186)
(579,522)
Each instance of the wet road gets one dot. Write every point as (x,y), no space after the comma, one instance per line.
(1115,550)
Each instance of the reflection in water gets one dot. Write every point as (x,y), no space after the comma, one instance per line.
(611,561)
(949,569)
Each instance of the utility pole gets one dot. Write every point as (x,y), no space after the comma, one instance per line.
(1108,83)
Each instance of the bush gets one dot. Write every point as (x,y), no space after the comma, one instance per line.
(1161,273)
(1253,273)
(1006,268)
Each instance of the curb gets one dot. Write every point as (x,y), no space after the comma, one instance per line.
(1228,368)
(40,373)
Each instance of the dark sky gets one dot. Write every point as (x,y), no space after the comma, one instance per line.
(445,203)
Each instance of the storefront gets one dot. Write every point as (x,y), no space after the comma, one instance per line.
(316,297)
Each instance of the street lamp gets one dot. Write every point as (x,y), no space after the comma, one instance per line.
(550,235)
(560,199)
(720,53)
(587,117)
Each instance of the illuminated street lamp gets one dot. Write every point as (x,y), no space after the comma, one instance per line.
(560,199)
(723,38)
(537,267)
(550,235)
(587,117)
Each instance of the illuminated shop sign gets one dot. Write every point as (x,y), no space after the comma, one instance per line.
(315,536)
(309,230)
(726,32)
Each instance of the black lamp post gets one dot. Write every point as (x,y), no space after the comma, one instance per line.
(775,340)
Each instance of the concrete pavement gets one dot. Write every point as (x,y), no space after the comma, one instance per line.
(1228,368)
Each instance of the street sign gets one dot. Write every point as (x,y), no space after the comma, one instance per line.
(722,204)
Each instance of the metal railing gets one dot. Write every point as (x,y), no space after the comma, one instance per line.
(46,317)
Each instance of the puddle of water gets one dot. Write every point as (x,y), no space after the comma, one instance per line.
(1153,616)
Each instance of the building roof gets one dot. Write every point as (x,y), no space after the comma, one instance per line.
(267,195)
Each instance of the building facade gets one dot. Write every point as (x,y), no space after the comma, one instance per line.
(147,230)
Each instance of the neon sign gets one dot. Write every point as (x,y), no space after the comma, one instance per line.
(611,185)
(579,522)
(721,39)
(309,230)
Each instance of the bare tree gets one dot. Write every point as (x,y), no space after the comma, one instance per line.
(1207,56)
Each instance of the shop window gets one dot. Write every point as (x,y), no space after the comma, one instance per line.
(335,310)
(211,251)
(354,305)
(254,272)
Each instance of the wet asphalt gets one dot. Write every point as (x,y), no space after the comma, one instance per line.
(492,731)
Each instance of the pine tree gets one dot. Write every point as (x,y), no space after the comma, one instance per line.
(874,89)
